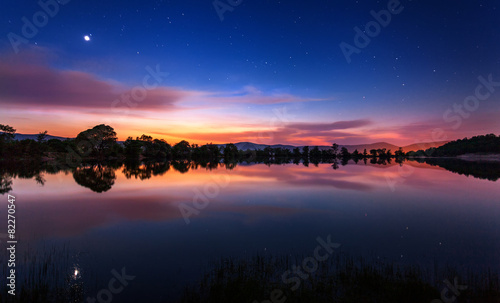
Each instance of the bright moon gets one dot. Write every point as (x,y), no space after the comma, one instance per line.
(87,38)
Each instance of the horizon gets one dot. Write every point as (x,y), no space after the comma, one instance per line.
(273,144)
(302,75)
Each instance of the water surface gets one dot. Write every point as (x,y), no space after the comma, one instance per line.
(126,216)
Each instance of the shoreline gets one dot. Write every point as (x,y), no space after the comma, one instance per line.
(478,157)
(466,157)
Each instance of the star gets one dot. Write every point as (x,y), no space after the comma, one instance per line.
(87,37)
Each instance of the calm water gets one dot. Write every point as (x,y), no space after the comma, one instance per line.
(130,217)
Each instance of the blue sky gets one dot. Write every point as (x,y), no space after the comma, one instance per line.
(230,76)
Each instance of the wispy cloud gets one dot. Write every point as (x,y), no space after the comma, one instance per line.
(293,133)
(329,126)
(30,81)
(252,95)
(40,86)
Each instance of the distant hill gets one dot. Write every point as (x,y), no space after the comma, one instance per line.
(486,144)
(423,146)
(350,148)
(19,137)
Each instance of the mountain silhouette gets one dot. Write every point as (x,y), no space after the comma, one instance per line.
(350,148)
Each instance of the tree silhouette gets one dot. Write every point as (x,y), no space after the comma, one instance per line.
(7,134)
(399,154)
(182,150)
(296,153)
(381,153)
(41,136)
(133,148)
(344,153)
(230,151)
(315,155)
(96,141)
(214,151)
(305,153)
(145,138)
(335,149)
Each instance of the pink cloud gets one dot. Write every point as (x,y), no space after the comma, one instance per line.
(27,81)
(40,86)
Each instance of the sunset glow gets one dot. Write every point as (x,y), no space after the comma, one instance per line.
(304,95)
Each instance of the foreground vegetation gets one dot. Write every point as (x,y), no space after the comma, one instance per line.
(341,278)
(42,277)
(49,276)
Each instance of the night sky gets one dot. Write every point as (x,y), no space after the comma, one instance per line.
(259,71)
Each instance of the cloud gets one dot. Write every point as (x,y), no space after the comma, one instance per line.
(293,133)
(39,86)
(435,129)
(27,81)
(319,127)
(252,95)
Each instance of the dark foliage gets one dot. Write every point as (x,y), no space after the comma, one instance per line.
(341,278)
(486,144)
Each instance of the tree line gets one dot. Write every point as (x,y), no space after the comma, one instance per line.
(485,144)
(100,142)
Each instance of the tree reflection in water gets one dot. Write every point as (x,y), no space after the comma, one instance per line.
(5,183)
(99,178)
(144,171)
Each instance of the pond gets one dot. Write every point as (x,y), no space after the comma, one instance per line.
(164,225)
